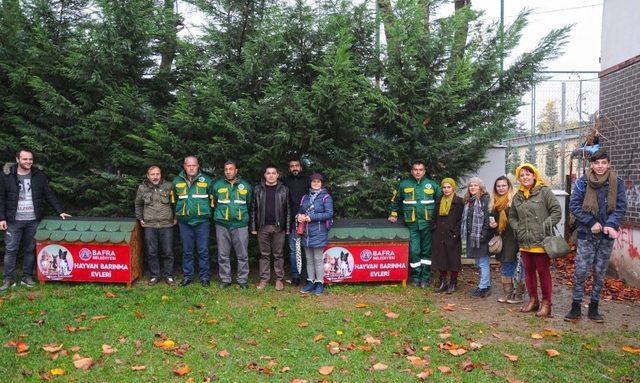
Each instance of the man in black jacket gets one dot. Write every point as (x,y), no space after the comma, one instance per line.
(23,191)
(298,185)
(270,220)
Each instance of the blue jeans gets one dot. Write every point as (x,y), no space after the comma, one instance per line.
(484,263)
(292,253)
(508,269)
(20,233)
(195,238)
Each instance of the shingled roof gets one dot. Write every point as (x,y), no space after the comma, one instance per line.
(111,230)
(363,230)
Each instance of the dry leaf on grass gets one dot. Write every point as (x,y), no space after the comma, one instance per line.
(631,349)
(82,363)
(106,349)
(368,313)
(52,347)
(181,369)
(417,361)
(318,337)
(371,340)
(392,315)
(458,351)
(424,374)
(379,367)
(326,370)
(512,358)
(361,305)
(224,354)
(475,346)
(449,307)
(109,294)
(550,332)
(536,336)
(552,353)
(303,324)
(444,369)
(138,367)
(98,317)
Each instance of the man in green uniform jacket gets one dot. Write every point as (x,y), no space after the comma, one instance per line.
(191,193)
(416,199)
(232,196)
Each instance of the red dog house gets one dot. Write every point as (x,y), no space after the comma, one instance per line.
(89,250)
(367,250)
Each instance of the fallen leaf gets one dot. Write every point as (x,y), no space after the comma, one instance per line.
(223,354)
(425,348)
(106,349)
(371,340)
(298,381)
(109,294)
(449,307)
(379,367)
(52,347)
(467,365)
(552,353)
(165,298)
(550,332)
(458,352)
(368,313)
(417,361)
(496,335)
(285,369)
(318,337)
(392,315)
(83,363)
(631,349)
(22,348)
(512,358)
(326,370)
(181,369)
(212,321)
(475,346)
(346,319)
(444,369)
(98,317)
(56,372)
(444,335)
(339,332)
(424,374)
(138,314)
(361,305)
(536,336)
(303,324)
(75,348)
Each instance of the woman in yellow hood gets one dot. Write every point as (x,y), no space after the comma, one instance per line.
(534,210)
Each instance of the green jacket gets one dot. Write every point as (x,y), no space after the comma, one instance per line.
(528,217)
(416,201)
(232,203)
(153,204)
(193,200)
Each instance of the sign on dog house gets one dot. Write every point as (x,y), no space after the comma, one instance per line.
(89,250)
(367,250)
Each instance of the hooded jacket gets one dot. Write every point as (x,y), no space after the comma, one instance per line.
(316,233)
(40,192)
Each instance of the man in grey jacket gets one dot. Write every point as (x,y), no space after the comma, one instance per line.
(154,211)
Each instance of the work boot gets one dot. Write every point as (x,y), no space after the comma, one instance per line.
(575,313)
(517,295)
(545,309)
(507,289)
(442,287)
(477,293)
(485,292)
(453,285)
(532,306)
(593,312)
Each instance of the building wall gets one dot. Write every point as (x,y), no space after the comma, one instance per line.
(620,31)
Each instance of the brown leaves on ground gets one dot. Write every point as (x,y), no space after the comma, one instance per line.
(473,346)
(550,332)
(107,349)
(449,307)
(424,374)
(98,317)
(361,305)
(631,349)
(223,353)
(181,369)
(379,367)
(444,369)
(326,370)
(511,358)
(82,363)
(552,353)
(138,367)
(21,347)
(417,361)
(109,294)
(371,340)
(76,329)
(536,336)
(303,324)
(51,348)
(318,337)
(391,314)
(167,344)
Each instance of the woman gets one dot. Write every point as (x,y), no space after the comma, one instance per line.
(447,245)
(500,203)
(533,211)
(316,213)
(475,229)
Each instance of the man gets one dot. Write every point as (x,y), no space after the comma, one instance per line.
(598,203)
(232,195)
(153,210)
(298,185)
(417,199)
(270,221)
(23,191)
(192,194)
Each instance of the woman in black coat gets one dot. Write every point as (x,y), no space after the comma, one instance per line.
(447,247)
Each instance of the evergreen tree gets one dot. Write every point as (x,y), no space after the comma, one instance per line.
(549,120)
(531,156)
(551,161)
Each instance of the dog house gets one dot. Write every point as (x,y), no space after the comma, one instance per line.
(89,250)
(367,250)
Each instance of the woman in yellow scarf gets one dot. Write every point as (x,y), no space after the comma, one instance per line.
(447,245)
(500,203)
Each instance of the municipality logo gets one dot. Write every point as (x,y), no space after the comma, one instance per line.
(85,254)
(366,255)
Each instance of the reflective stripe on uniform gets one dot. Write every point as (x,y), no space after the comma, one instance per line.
(239,201)
(200,195)
(414,265)
(410,202)
(427,201)
(224,201)
(425,261)
(183,196)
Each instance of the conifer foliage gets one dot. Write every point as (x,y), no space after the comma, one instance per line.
(102,89)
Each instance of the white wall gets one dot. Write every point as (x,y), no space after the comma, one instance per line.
(620,32)
(489,171)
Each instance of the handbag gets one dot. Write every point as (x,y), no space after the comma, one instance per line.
(495,244)
(554,245)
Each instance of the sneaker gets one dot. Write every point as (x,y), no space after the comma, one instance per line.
(310,286)
(185,281)
(28,281)
(485,292)
(477,292)
(8,283)
(152,281)
(170,281)
(243,286)
(279,285)
(262,285)
(319,288)
(224,285)
(205,283)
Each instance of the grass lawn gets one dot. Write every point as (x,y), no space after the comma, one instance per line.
(249,336)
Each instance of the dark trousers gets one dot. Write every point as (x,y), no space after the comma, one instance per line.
(195,238)
(536,265)
(271,241)
(158,240)
(20,234)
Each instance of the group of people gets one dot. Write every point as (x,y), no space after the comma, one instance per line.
(298,209)
(439,220)
(268,210)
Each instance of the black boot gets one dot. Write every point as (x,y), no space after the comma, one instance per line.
(453,285)
(442,285)
(575,313)
(593,312)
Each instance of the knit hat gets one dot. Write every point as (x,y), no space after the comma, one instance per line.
(449,181)
(316,176)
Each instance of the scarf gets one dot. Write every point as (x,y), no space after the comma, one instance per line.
(590,203)
(445,202)
(477,222)
(501,204)
(313,193)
